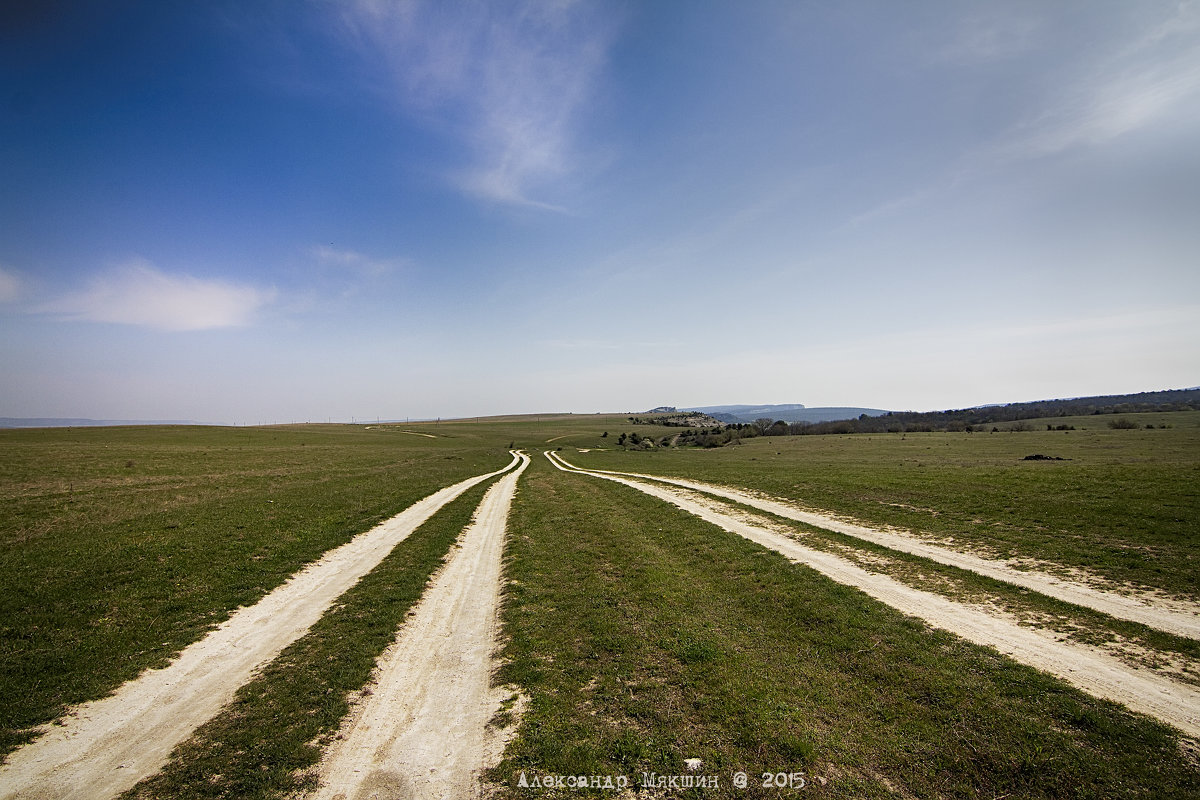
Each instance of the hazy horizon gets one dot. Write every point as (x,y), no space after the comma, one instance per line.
(268,211)
(92,421)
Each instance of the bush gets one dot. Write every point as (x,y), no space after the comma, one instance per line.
(1123,424)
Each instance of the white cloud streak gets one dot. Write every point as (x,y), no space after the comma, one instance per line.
(1091,97)
(988,33)
(1155,73)
(10,286)
(610,344)
(353,261)
(140,294)
(1101,113)
(511,79)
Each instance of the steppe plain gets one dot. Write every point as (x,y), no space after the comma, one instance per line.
(810,612)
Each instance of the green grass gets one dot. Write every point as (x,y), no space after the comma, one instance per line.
(120,546)
(1135,643)
(1126,504)
(264,744)
(644,636)
(641,635)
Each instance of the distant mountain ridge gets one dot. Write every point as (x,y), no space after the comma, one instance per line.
(750,409)
(788,412)
(1165,400)
(865,420)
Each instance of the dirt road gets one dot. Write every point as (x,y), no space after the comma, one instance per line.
(1165,614)
(104,747)
(1087,668)
(422,731)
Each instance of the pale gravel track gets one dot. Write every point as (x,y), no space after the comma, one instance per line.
(422,731)
(1084,667)
(1161,613)
(104,747)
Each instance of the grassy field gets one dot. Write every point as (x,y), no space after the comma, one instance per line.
(1123,503)
(264,744)
(646,637)
(641,635)
(120,546)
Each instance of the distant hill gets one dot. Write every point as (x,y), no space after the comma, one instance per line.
(841,421)
(788,412)
(63,422)
(744,410)
(880,420)
(967,419)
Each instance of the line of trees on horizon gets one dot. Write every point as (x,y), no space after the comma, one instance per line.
(966,420)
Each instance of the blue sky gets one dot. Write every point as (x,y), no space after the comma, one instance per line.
(272,211)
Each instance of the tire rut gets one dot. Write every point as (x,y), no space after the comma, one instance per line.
(422,729)
(1084,667)
(1171,616)
(104,747)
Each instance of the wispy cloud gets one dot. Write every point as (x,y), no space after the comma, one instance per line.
(1110,326)
(10,286)
(1155,72)
(1088,98)
(608,344)
(987,33)
(140,294)
(354,261)
(509,79)
(1100,113)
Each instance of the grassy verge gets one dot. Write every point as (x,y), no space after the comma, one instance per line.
(1124,504)
(644,637)
(264,744)
(120,546)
